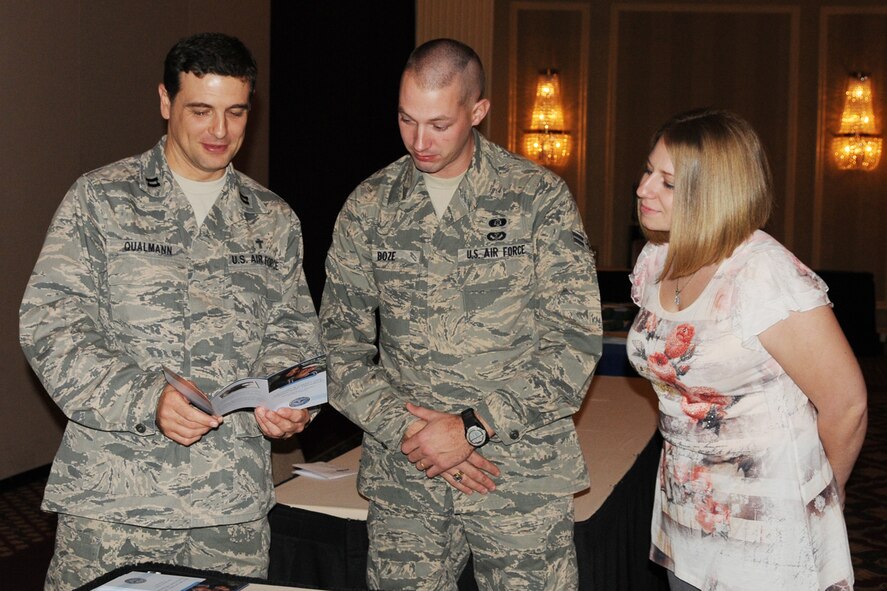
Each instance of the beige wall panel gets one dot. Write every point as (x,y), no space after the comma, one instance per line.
(121,66)
(667,59)
(39,156)
(80,91)
(250,21)
(468,21)
(851,206)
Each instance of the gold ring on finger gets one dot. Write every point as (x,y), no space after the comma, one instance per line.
(458,476)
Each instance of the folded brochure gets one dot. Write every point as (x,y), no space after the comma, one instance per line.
(322,470)
(154,581)
(299,386)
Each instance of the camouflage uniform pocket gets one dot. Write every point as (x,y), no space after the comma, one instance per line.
(494,298)
(398,283)
(147,294)
(252,291)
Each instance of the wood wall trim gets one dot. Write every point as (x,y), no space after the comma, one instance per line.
(707,7)
(816,255)
(581,115)
(468,21)
(791,164)
(822,152)
(606,250)
(794,12)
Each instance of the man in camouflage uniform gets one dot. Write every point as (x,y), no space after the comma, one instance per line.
(168,258)
(489,312)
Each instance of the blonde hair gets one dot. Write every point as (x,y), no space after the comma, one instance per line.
(723,190)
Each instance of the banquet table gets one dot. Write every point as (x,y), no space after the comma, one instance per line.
(318,527)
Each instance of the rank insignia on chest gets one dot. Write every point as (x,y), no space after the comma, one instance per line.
(580,239)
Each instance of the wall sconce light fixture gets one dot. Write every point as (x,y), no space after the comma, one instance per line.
(857,145)
(547,142)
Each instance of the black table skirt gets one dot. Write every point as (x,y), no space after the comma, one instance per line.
(613,545)
(311,549)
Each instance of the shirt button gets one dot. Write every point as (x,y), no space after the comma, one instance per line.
(141,428)
(514,434)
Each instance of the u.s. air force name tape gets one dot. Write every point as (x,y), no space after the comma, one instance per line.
(500,251)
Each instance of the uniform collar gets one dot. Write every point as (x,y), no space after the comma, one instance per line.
(405,189)
(156,180)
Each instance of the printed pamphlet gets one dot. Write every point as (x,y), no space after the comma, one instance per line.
(322,470)
(155,581)
(300,386)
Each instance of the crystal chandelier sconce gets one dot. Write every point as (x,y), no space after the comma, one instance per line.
(547,142)
(857,145)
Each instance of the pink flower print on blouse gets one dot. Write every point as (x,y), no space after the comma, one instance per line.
(704,404)
(679,343)
(714,517)
(661,365)
(696,489)
(679,347)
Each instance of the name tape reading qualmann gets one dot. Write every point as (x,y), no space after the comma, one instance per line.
(149,247)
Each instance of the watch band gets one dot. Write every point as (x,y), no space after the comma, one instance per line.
(475,432)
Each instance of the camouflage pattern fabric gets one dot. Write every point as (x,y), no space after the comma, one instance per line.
(495,306)
(127,282)
(519,543)
(88,548)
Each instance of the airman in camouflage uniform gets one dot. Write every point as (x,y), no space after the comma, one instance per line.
(128,281)
(492,306)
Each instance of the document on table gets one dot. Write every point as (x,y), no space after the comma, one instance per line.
(137,580)
(322,470)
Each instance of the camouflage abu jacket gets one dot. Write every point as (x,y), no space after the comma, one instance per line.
(127,282)
(495,306)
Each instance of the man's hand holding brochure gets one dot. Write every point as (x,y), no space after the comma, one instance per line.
(299,386)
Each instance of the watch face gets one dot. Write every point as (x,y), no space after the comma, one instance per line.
(476,435)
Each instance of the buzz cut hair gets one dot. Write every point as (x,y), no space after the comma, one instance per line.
(438,63)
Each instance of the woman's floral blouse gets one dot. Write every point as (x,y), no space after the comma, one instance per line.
(746,497)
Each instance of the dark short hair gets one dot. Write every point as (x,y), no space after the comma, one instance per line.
(208,53)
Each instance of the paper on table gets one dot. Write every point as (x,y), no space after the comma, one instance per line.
(322,470)
(149,582)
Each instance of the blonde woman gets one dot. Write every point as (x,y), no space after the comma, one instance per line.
(762,403)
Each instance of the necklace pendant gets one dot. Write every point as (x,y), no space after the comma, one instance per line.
(677,299)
